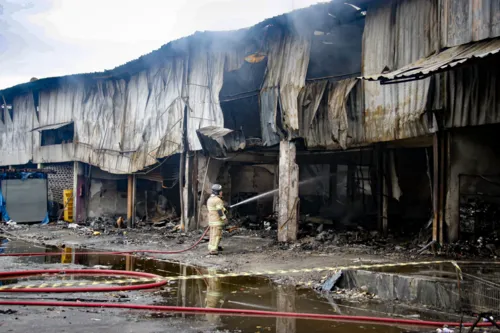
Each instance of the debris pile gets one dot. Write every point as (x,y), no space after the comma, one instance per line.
(482,247)
(478,218)
(102,223)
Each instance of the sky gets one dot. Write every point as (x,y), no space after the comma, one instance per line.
(44,38)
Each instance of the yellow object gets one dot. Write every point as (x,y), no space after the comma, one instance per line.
(68,205)
(66,256)
(255,58)
(96,233)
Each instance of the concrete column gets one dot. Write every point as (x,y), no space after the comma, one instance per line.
(288,193)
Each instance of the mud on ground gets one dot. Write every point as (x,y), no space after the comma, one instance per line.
(244,250)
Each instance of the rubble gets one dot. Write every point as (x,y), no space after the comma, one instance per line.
(332,281)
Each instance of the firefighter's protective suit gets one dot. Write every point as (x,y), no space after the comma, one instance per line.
(216,221)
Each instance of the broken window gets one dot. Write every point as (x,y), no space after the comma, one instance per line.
(57,136)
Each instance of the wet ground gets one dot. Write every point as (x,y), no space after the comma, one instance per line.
(254,293)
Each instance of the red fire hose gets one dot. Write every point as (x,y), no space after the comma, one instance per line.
(46,254)
(159,283)
(243,312)
(93,272)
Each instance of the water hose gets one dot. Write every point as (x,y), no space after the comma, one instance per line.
(244,312)
(93,272)
(46,254)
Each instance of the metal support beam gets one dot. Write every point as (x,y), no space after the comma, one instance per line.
(288,193)
(385,196)
(131,201)
(333,184)
(435,188)
(382,190)
(185,192)
(442,182)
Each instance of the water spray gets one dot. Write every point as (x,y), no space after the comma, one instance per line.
(268,193)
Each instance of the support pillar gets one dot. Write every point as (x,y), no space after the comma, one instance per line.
(333,184)
(79,211)
(444,149)
(194,190)
(439,152)
(131,201)
(383,190)
(385,197)
(185,193)
(435,188)
(288,193)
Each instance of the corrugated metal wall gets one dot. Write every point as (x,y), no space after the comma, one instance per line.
(288,57)
(473,92)
(396,34)
(331,114)
(16,140)
(465,21)
(121,125)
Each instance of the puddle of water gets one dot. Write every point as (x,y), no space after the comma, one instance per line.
(254,293)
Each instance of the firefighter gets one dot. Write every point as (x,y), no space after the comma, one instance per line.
(216,218)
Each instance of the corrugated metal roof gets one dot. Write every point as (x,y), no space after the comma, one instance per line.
(51,127)
(444,60)
(218,140)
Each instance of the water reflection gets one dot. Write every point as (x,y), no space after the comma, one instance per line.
(213,297)
(285,299)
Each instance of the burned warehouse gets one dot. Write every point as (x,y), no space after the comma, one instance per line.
(341,115)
